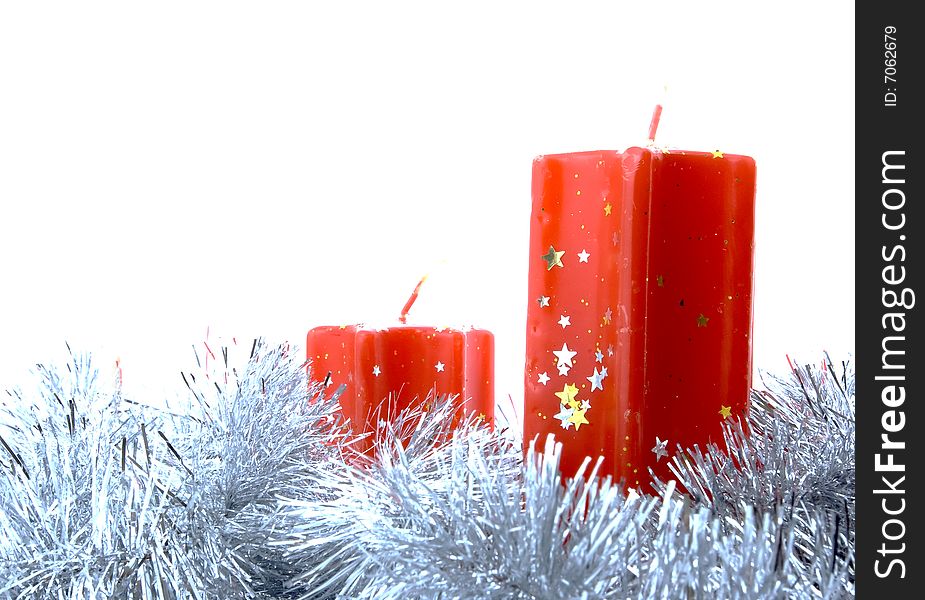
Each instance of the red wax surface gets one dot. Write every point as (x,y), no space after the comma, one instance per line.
(332,349)
(653,297)
(389,369)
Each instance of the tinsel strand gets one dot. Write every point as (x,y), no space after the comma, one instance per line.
(253,487)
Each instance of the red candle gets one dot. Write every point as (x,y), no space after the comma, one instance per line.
(387,370)
(640,289)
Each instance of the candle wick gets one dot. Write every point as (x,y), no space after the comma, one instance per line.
(414,296)
(653,125)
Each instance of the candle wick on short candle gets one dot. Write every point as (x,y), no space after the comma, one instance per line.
(653,125)
(414,296)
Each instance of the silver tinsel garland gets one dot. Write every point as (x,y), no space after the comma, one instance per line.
(251,488)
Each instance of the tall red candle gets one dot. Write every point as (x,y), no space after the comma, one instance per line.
(640,289)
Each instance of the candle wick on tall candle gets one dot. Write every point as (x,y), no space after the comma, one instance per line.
(414,296)
(653,125)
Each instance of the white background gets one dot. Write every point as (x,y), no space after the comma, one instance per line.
(262,168)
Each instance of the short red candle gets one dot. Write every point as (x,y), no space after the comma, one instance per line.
(640,288)
(406,361)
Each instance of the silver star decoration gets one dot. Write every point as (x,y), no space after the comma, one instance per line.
(583,256)
(660,448)
(610,350)
(608,315)
(564,356)
(564,415)
(439,366)
(603,372)
(543,378)
(563,369)
(599,356)
(565,321)
(543,301)
(585,405)
(595,380)
(376,370)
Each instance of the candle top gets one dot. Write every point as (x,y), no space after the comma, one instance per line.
(651,146)
(400,326)
(661,150)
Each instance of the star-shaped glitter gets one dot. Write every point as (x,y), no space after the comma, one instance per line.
(599,356)
(543,378)
(725,411)
(563,369)
(564,356)
(567,395)
(717,154)
(553,258)
(583,256)
(578,419)
(603,372)
(660,281)
(595,380)
(564,321)
(439,366)
(543,301)
(608,316)
(660,449)
(565,415)
(607,209)
(376,370)
(585,405)
(610,350)
(702,320)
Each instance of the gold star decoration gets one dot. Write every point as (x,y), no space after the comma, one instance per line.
(725,411)
(660,281)
(553,258)
(567,395)
(717,154)
(578,419)
(702,320)
(607,209)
